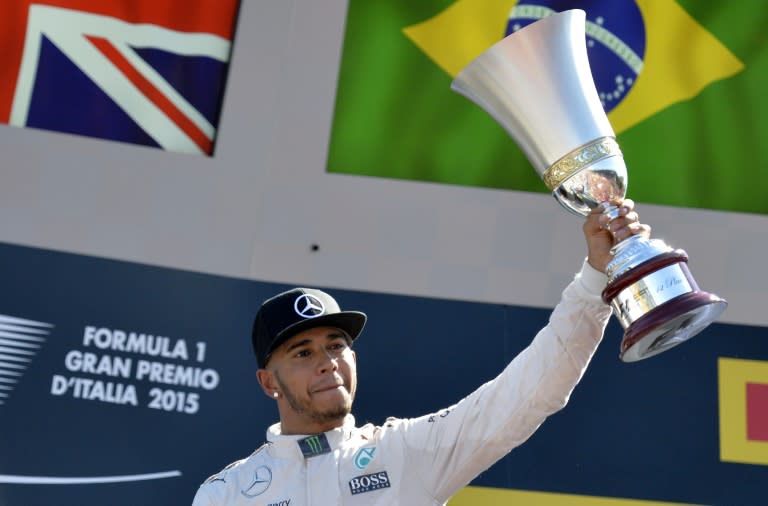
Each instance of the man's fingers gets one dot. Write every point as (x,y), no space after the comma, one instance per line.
(624,221)
(597,220)
(633,228)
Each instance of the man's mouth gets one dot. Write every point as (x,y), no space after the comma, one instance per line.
(327,388)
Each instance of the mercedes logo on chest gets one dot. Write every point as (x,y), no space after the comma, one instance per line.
(262,477)
(308,306)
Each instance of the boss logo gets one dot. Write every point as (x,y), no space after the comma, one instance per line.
(369,482)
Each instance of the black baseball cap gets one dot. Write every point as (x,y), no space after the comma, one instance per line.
(288,313)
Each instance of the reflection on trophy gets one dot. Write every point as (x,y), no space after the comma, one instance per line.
(538,85)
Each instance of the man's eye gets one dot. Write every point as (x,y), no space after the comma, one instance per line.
(302,354)
(338,346)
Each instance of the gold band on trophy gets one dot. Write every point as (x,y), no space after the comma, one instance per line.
(579,158)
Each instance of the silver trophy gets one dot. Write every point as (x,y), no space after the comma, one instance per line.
(538,85)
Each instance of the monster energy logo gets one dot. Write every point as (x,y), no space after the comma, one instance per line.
(314,445)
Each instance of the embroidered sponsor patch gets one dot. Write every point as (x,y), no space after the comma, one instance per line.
(363,457)
(313,446)
(262,477)
(369,482)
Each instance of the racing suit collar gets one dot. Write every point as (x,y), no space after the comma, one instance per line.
(287,446)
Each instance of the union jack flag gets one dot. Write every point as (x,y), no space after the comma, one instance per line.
(149,72)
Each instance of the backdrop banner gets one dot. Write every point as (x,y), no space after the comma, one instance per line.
(125,384)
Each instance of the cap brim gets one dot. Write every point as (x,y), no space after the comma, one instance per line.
(351,322)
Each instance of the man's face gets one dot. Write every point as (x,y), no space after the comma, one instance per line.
(315,372)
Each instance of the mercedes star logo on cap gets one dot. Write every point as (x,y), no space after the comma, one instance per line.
(308,306)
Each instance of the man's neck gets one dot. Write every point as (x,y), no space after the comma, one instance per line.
(297,427)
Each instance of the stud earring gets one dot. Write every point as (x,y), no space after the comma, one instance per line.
(275,395)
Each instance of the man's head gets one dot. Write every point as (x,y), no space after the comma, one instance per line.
(302,340)
(288,313)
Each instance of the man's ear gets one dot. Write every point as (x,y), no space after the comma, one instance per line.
(267,382)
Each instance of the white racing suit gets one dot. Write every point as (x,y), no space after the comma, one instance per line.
(424,461)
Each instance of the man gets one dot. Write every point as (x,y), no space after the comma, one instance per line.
(316,455)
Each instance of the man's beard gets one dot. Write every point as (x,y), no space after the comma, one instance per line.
(305,408)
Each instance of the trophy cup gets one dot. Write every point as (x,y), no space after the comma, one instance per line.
(538,85)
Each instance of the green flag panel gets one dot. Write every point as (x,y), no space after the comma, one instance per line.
(689,109)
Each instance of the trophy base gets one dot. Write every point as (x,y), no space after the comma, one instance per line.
(669,325)
(659,305)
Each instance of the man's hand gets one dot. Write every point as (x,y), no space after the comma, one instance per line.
(600,241)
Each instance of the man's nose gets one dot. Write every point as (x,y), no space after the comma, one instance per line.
(328,361)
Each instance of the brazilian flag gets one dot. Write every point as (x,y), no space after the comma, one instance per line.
(684,84)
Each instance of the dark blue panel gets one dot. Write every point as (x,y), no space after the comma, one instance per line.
(647,430)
